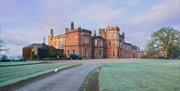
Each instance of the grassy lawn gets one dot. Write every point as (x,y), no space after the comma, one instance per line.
(12,74)
(17,63)
(141,76)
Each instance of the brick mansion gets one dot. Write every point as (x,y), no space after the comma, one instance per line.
(108,43)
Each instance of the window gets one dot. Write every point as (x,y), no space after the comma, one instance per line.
(56,43)
(95,42)
(109,43)
(61,44)
(85,52)
(73,51)
(110,36)
(86,40)
(120,44)
(99,52)
(100,43)
(68,52)
(118,53)
(113,52)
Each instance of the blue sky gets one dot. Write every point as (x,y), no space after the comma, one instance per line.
(23,22)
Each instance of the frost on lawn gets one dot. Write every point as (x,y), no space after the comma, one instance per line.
(140,76)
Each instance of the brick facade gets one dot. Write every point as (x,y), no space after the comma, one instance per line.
(98,47)
(109,43)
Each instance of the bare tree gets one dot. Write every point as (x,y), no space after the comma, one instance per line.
(3,49)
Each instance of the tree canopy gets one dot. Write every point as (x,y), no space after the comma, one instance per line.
(3,46)
(3,49)
(164,43)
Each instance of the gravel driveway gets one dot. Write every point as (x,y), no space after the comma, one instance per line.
(66,80)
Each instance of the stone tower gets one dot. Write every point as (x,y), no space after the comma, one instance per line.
(50,37)
(113,41)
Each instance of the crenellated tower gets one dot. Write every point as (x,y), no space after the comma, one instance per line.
(113,42)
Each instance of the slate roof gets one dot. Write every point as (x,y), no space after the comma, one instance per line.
(38,45)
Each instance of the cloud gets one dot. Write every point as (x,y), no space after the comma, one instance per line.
(138,38)
(128,2)
(57,13)
(58,3)
(99,13)
(165,12)
(18,37)
(60,13)
(27,21)
(161,14)
(133,2)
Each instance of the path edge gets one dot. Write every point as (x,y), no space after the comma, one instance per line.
(21,83)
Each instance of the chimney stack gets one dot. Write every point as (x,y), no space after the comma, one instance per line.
(72,25)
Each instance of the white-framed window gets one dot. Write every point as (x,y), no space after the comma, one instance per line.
(100,43)
(61,44)
(86,40)
(96,42)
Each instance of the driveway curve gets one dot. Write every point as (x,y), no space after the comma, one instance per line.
(66,80)
(69,79)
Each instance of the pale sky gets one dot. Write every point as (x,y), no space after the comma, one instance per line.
(23,22)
